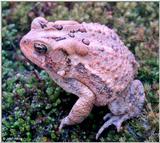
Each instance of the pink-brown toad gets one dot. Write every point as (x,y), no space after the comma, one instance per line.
(90,61)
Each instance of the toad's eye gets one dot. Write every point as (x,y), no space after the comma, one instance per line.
(40,48)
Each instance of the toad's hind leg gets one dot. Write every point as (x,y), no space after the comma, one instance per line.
(82,107)
(127,106)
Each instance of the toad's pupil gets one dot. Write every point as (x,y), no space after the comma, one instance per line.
(40,48)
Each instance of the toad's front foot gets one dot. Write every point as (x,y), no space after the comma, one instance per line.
(81,108)
(63,123)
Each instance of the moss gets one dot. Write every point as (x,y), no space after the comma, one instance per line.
(33,105)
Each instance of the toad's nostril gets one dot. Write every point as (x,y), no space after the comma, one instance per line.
(25,41)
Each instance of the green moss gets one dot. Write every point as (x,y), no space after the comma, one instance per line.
(20,91)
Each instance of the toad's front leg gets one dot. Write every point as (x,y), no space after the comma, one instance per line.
(81,108)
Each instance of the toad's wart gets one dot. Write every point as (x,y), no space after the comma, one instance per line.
(90,61)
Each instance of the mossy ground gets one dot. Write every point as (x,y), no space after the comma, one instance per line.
(32,104)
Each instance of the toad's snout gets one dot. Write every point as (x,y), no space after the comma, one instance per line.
(26,45)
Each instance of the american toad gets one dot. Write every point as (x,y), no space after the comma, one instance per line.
(90,61)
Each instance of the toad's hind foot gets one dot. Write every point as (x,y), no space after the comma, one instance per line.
(127,106)
(112,120)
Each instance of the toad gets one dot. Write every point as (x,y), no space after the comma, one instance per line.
(90,61)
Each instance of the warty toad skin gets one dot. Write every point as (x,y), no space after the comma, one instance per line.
(90,61)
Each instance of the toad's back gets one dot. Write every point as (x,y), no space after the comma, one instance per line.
(108,68)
